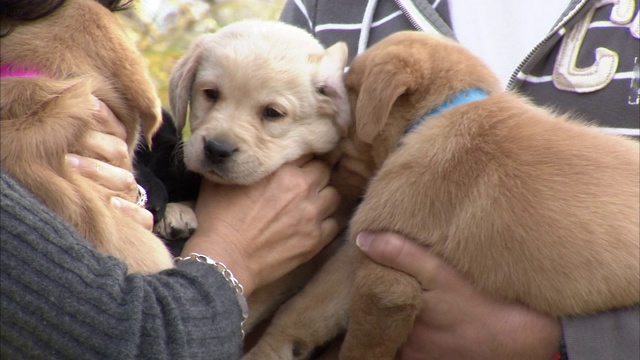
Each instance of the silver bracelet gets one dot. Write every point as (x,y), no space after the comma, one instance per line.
(228,275)
(142,197)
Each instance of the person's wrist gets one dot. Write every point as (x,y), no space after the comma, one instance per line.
(228,276)
(535,334)
(207,245)
(550,336)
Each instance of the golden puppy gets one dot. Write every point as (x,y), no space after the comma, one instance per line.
(531,206)
(77,51)
(258,94)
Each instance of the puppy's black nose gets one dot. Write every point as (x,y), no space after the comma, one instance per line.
(218,151)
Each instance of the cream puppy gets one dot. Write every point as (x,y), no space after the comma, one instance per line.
(258,94)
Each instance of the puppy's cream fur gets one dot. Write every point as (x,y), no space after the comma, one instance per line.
(80,50)
(258,69)
(272,92)
(531,206)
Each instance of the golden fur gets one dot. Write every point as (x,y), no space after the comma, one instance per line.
(531,206)
(255,68)
(80,50)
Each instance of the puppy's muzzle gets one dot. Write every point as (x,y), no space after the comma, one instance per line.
(218,151)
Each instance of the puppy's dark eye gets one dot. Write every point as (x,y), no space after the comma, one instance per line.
(212,94)
(322,90)
(271,114)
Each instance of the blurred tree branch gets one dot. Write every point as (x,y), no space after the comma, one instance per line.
(164,35)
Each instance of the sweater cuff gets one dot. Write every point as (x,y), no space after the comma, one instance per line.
(213,281)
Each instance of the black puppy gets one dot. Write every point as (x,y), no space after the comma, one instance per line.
(161,170)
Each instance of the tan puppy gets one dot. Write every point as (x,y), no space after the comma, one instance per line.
(79,50)
(259,94)
(531,206)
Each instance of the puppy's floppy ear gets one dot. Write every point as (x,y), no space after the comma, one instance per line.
(117,58)
(137,84)
(180,82)
(330,78)
(384,80)
(146,101)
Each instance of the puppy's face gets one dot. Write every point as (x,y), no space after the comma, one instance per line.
(261,94)
(401,78)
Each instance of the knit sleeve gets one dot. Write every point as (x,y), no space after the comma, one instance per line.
(62,299)
(607,335)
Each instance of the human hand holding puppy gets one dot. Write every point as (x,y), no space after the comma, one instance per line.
(260,232)
(457,321)
(265,230)
(109,153)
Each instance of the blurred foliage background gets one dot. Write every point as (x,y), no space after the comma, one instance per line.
(164,29)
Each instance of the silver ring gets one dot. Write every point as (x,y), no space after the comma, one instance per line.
(142,197)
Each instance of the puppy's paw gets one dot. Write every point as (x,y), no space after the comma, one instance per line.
(179,221)
(278,346)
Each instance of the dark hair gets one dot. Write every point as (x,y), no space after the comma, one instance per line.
(29,10)
(23,10)
(115,5)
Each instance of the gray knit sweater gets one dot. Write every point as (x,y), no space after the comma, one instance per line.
(62,299)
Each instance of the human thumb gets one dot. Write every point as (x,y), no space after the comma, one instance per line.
(401,253)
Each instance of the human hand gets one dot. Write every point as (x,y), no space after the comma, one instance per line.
(263,231)
(457,321)
(107,163)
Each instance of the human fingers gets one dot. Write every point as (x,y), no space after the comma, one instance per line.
(420,343)
(107,120)
(137,213)
(109,176)
(329,229)
(108,148)
(402,254)
(463,323)
(328,201)
(303,160)
(318,173)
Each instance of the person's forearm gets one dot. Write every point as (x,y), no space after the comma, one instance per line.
(62,299)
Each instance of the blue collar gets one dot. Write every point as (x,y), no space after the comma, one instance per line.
(458,99)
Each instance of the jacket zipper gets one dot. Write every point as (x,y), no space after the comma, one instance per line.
(536,48)
(429,27)
(403,7)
